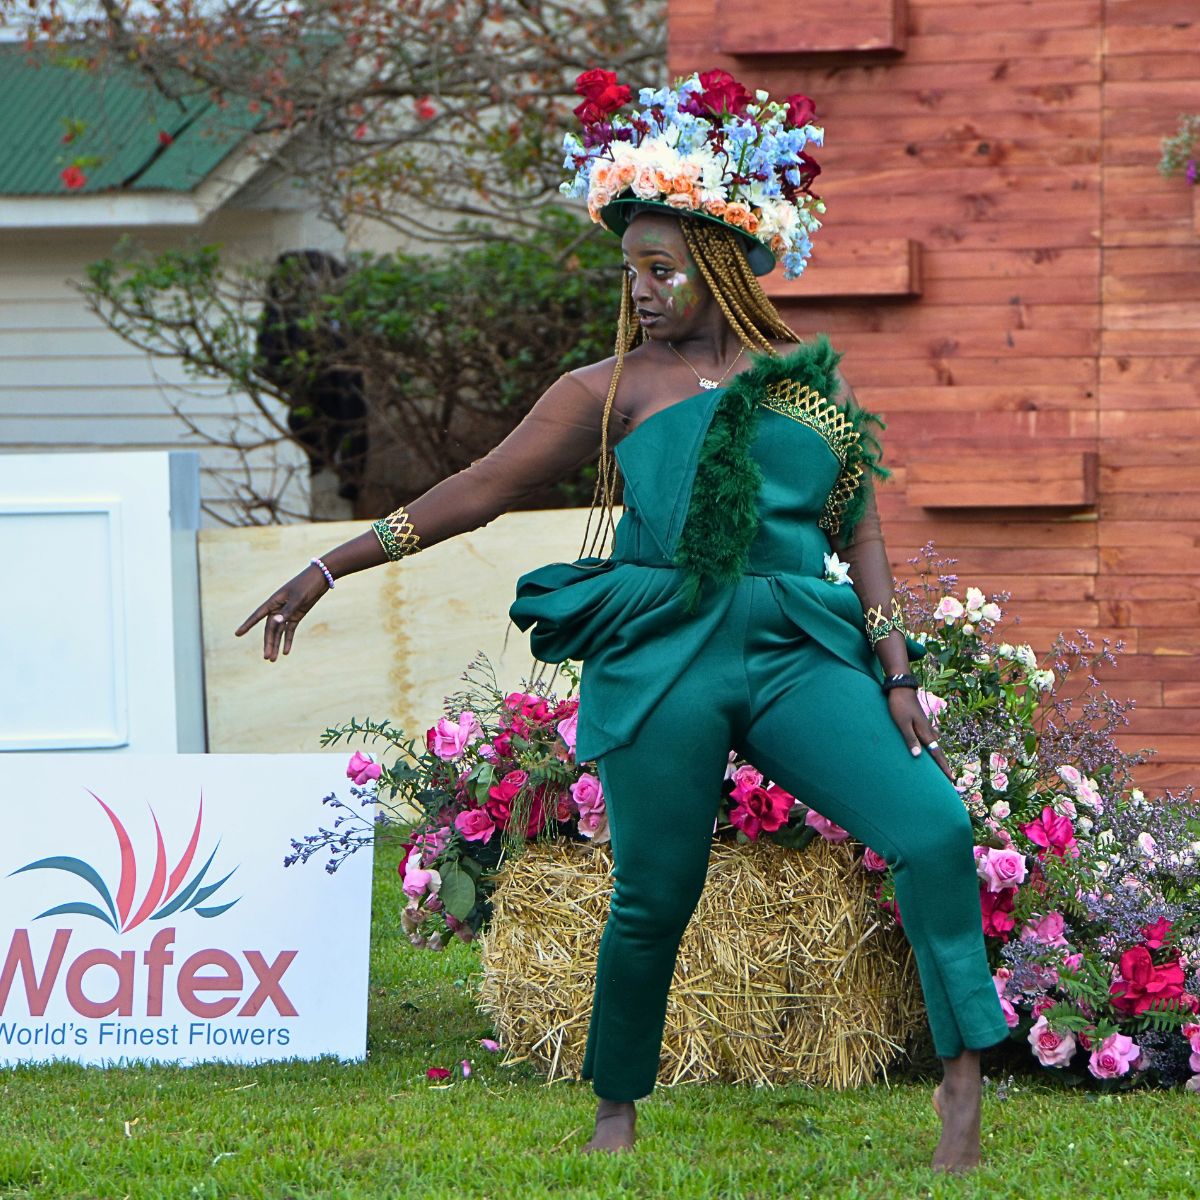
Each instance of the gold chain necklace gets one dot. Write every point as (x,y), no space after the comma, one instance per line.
(703,381)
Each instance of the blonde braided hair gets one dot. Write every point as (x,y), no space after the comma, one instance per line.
(719,255)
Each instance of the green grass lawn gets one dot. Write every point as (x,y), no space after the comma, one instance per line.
(378,1129)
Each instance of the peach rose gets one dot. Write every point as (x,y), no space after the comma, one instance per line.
(736,212)
(645,183)
(681,200)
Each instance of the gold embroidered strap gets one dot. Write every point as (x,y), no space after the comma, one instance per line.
(396,535)
(878,626)
(799,402)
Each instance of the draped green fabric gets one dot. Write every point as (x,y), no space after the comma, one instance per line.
(637,618)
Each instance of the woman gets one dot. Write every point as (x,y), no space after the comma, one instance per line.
(720,609)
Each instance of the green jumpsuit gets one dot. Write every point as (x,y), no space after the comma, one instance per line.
(775,664)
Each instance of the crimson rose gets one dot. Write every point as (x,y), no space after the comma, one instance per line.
(800,110)
(602,95)
(722,95)
(761,809)
(1142,983)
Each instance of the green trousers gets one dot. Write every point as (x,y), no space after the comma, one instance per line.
(822,731)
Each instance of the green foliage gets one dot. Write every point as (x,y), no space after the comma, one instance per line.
(448,352)
(1179,150)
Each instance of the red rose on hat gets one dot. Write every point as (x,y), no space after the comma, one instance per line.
(722,95)
(800,110)
(601,93)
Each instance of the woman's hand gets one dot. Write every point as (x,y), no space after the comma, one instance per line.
(914,725)
(284,611)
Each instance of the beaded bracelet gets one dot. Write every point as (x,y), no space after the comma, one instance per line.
(900,681)
(316,562)
(396,535)
(878,626)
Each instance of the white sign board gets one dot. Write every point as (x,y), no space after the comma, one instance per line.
(146,914)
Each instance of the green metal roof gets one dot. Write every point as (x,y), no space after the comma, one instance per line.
(120,118)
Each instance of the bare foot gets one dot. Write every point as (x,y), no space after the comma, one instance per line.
(957,1104)
(615,1122)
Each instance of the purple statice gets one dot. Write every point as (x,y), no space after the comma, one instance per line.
(1032,977)
(1079,727)
(351,832)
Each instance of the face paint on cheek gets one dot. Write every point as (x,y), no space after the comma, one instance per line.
(686,293)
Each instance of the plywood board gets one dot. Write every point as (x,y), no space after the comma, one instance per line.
(389,642)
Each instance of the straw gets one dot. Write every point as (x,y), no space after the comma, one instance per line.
(788,971)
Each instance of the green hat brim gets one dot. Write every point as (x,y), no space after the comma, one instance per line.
(618,213)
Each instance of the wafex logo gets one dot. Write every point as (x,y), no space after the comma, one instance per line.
(210,983)
(165,895)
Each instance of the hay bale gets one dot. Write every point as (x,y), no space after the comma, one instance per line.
(788,971)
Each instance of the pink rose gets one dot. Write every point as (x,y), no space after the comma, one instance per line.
(1010,1013)
(1051,831)
(1001,868)
(566,730)
(949,609)
(825,827)
(361,768)
(448,739)
(594,825)
(1051,1049)
(932,706)
(997,762)
(760,810)
(1048,930)
(872,861)
(588,795)
(419,882)
(745,778)
(999,781)
(1070,775)
(1113,1057)
(476,825)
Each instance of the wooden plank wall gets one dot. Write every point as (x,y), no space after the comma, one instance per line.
(1018,142)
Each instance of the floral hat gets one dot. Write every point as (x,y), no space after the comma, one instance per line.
(704,146)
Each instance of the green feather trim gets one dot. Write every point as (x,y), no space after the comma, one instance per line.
(722,519)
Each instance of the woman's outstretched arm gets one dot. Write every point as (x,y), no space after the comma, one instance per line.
(558,435)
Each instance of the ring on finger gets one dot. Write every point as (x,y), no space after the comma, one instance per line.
(931,745)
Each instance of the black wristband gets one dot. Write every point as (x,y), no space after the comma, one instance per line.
(901,681)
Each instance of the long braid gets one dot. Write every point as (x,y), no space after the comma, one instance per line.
(722,261)
(604,494)
(726,270)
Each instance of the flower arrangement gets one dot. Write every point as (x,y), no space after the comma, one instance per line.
(1089,893)
(705,145)
(499,770)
